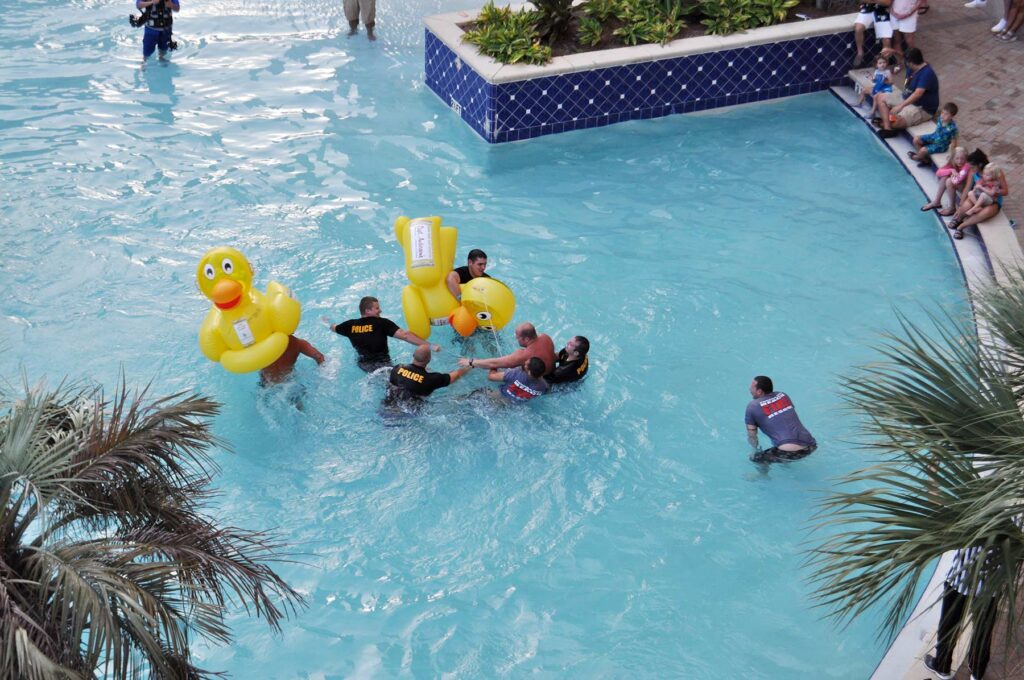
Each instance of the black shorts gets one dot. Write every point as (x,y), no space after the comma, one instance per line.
(775,455)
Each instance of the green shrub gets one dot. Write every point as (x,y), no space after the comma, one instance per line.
(510,40)
(590,33)
(552,19)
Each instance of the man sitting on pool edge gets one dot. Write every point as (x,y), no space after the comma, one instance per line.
(774,414)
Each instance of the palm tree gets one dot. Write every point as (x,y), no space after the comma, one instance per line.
(108,566)
(942,407)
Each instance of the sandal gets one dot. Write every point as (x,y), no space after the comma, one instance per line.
(958,234)
(912,155)
(928,206)
(946,212)
(954,223)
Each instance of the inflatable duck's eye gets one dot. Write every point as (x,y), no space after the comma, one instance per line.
(483,316)
(228,266)
(209,271)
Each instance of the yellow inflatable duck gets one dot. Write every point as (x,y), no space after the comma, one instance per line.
(245,330)
(429,255)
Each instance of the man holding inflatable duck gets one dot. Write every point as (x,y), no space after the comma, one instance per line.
(532,344)
(369,335)
(476,263)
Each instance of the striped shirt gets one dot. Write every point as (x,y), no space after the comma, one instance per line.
(958,576)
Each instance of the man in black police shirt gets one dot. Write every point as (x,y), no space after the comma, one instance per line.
(476,263)
(412,382)
(572,362)
(369,335)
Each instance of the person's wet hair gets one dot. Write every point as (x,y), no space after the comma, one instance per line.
(476,254)
(582,345)
(535,367)
(764,383)
(366,303)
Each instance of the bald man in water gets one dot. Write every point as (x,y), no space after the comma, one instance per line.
(532,344)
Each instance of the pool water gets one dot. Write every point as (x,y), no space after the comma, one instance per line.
(609,531)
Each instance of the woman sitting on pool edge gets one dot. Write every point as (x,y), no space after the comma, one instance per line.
(961,220)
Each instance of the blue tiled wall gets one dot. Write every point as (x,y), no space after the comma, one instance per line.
(571,101)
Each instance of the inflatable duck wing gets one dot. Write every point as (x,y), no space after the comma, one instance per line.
(429,256)
(246,330)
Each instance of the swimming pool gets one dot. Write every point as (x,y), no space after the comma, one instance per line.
(616,529)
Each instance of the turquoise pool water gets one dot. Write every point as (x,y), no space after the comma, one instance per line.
(617,530)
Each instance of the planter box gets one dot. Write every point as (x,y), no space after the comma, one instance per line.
(506,103)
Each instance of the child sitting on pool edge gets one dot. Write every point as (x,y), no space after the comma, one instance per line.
(943,139)
(883,83)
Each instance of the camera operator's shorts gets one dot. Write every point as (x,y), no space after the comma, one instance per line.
(776,455)
(154,39)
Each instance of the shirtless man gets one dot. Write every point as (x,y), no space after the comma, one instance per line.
(281,369)
(532,344)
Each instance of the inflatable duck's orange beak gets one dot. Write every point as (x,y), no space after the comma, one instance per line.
(226,293)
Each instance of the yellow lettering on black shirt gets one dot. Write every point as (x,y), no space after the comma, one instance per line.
(367,328)
(405,373)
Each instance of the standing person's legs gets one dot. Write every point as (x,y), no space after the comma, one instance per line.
(368,11)
(981,641)
(949,628)
(150,38)
(352,14)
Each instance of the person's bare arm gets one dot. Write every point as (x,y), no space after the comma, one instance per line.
(508,361)
(458,373)
(454,284)
(306,348)
(752,436)
(414,339)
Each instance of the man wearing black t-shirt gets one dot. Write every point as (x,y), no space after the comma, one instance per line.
(476,263)
(369,335)
(411,383)
(572,363)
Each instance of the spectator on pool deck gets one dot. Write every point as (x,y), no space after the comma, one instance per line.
(369,335)
(918,103)
(944,138)
(532,344)
(361,9)
(966,215)
(476,263)
(1014,20)
(872,15)
(773,413)
(903,18)
(952,178)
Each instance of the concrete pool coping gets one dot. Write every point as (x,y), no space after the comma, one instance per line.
(985,257)
(448,28)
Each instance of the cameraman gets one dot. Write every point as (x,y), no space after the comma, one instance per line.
(159,23)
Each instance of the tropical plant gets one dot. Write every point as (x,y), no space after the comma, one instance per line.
(108,565)
(722,17)
(768,12)
(489,14)
(512,40)
(602,10)
(552,19)
(591,31)
(943,408)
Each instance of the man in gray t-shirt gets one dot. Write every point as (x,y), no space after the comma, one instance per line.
(773,413)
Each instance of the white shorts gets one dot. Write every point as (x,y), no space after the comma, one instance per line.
(883,29)
(908,25)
